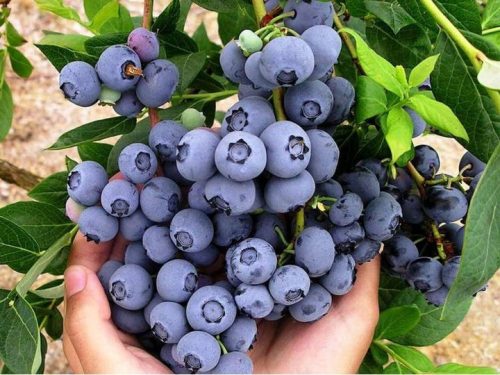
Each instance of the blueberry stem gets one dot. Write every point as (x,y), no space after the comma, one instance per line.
(281,17)
(221,344)
(281,236)
(439,241)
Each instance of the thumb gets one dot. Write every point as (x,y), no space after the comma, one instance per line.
(88,323)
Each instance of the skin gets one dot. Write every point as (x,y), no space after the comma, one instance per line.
(335,344)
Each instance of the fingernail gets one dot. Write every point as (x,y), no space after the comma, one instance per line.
(75,280)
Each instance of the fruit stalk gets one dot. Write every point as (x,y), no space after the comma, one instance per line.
(147,20)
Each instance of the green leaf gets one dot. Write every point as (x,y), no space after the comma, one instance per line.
(92,7)
(98,152)
(480,256)
(7,112)
(455,84)
(396,368)
(42,221)
(74,42)
(178,43)
(464,14)
(122,22)
(54,327)
(219,6)
(3,58)
(207,83)
(204,43)
(490,49)
(370,99)
(388,289)
(166,22)
(438,115)
(96,45)
(410,46)
(189,67)
(51,190)
(397,321)
(398,131)
(379,355)
(18,249)
(491,15)
(94,131)
(411,358)
(60,56)
(52,292)
(369,365)
(231,24)
(13,37)
(390,13)
(376,67)
(185,8)
(70,163)
(455,368)
(20,347)
(58,8)
(20,64)
(423,71)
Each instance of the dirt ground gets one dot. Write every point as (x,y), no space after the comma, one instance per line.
(42,114)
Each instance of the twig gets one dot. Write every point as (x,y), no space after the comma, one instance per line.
(18,176)
(348,43)
(147,20)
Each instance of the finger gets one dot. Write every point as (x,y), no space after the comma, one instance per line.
(89,254)
(88,326)
(118,252)
(71,356)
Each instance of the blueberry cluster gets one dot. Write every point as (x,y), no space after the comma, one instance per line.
(128,77)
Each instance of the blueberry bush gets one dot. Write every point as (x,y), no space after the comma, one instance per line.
(312,172)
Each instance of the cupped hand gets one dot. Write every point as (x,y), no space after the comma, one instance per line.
(335,344)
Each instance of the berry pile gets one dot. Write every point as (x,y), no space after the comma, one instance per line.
(128,77)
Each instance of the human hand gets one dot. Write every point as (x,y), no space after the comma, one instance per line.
(335,344)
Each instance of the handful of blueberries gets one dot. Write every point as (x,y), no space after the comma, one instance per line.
(190,202)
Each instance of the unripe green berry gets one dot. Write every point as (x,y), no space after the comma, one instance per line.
(250,42)
(108,96)
(192,119)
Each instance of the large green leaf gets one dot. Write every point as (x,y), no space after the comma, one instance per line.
(60,56)
(411,358)
(96,45)
(74,42)
(455,368)
(7,112)
(185,7)
(166,22)
(95,131)
(51,190)
(455,84)
(391,13)
(92,7)
(371,99)
(233,23)
(398,131)
(397,321)
(189,67)
(18,249)
(112,17)
(20,63)
(480,256)
(98,152)
(462,13)
(20,347)
(178,43)
(491,15)
(219,6)
(13,37)
(58,8)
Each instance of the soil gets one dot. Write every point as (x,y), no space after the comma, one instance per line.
(42,114)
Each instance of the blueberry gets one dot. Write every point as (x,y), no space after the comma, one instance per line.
(476,165)
(196,154)
(177,280)
(191,230)
(203,258)
(324,58)
(199,351)
(244,91)
(314,251)
(284,195)
(365,250)
(131,287)
(252,71)
(437,297)
(168,322)
(80,84)
(289,285)
(167,358)
(204,280)
(211,309)
(377,167)
(314,306)
(128,105)
(86,182)
(398,252)
(135,253)
(288,149)
(340,280)
(241,336)
(155,301)
(445,205)
(230,197)
(330,188)
(231,229)
(309,13)
(325,156)
(128,321)
(382,218)
(343,100)
(232,62)
(426,161)
(159,81)
(287,61)
(197,200)
(473,186)
(252,114)
(171,171)
(346,238)
(254,300)
(138,163)
(145,43)
(346,210)
(419,123)
(105,272)
(450,271)
(234,363)
(73,210)
(424,274)
(265,229)
(160,199)
(118,68)
(164,138)
(412,209)
(132,227)
(253,261)
(403,181)
(226,285)
(120,198)
(279,312)
(455,234)
(97,225)
(361,181)
(271,5)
